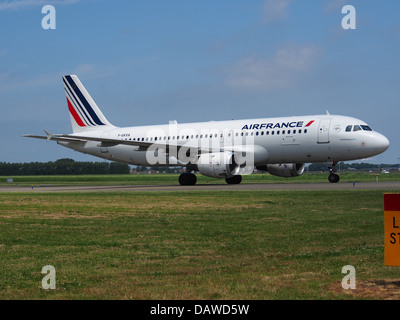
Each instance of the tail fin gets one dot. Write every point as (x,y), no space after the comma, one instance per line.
(85,114)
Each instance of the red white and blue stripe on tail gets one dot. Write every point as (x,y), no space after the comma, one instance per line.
(85,114)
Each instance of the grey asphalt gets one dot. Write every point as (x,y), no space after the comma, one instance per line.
(388,186)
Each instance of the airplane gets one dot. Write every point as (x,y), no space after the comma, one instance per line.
(219,149)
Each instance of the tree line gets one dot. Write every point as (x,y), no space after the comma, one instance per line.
(69,166)
(352,166)
(62,167)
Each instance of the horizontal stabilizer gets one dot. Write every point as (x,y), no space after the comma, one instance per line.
(49,136)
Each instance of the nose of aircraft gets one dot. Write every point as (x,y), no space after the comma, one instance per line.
(380,143)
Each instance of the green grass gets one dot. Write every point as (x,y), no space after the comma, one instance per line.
(172,179)
(191,244)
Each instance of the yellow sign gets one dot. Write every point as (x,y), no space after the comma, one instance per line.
(392,229)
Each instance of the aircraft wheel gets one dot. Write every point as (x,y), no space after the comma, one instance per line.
(234,180)
(187,179)
(333,178)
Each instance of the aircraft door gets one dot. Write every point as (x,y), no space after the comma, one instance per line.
(323,131)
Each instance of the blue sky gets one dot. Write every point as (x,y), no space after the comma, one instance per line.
(148,62)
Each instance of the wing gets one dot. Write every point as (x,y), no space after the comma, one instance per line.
(107,142)
(77,138)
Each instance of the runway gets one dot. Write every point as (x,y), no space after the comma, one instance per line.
(388,186)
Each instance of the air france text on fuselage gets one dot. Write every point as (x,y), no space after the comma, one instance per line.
(259,126)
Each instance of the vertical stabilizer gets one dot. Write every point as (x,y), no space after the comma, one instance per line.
(85,114)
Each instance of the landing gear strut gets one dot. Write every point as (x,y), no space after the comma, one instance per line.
(187,179)
(333,177)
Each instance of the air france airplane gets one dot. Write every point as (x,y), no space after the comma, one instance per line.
(219,149)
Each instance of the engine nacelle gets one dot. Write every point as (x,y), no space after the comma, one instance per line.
(286,169)
(218,165)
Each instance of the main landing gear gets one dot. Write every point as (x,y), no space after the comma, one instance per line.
(234,180)
(187,179)
(333,177)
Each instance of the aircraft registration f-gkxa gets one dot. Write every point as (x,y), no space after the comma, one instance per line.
(219,149)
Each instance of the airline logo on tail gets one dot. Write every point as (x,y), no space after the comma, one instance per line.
(78,104)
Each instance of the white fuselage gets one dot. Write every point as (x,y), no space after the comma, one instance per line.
(299,139)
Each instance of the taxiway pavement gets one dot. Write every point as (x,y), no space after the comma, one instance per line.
(389,186)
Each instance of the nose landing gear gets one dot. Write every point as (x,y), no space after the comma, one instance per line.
(333,177)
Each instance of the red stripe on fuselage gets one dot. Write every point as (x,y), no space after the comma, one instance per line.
(75,114)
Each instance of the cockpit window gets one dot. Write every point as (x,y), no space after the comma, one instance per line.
(358,128)
(366,128)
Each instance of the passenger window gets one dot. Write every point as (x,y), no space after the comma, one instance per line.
(348,128)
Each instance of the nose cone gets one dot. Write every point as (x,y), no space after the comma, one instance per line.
(381,143)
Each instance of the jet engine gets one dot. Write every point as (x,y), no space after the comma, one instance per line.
(218,165)
(286,169)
